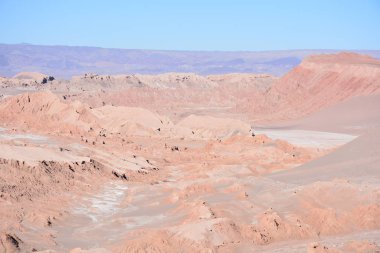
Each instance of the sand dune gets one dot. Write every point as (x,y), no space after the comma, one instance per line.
(357,160)
(356,116)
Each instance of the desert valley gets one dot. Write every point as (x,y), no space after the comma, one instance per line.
(182,162)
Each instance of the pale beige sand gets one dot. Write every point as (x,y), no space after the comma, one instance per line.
(307,138)
(353,116)
(358,160)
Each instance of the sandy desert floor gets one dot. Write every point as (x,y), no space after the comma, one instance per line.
(128,164)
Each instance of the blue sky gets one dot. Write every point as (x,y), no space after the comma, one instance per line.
(235,25)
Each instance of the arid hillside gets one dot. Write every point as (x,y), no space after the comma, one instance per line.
(186,162)
(323,80)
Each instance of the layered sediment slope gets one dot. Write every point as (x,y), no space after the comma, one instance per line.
(46,113)
(321,81)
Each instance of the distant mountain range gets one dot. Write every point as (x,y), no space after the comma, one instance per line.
(66,61)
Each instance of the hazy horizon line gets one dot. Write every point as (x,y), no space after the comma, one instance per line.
(188,50)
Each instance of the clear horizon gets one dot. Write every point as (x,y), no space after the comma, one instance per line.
(194,25)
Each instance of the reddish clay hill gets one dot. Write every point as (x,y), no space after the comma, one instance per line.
(320,81)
